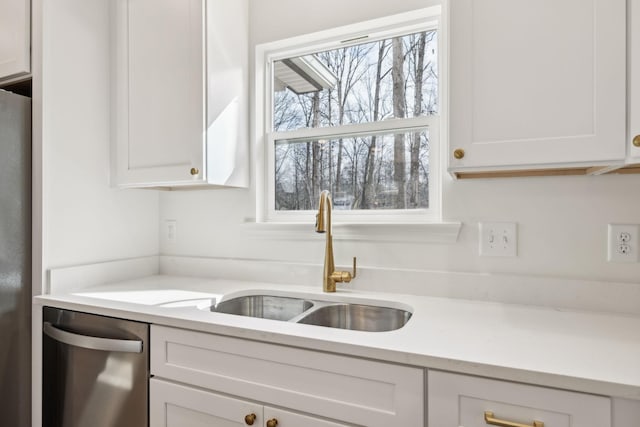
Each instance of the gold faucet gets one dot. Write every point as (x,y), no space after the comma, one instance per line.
(323,225)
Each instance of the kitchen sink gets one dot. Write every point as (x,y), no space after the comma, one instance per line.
(264,306)
(358,317)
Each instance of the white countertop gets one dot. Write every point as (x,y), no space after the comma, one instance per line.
(591,352)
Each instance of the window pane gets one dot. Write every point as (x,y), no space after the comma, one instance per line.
(393,78)
(361,172)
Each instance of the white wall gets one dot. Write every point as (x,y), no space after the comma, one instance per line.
(85,220)
(562,220)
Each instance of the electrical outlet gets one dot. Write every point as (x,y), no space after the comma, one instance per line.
(498,239)
(622,243)
(171,229)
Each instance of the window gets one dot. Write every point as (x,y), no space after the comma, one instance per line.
(356,111)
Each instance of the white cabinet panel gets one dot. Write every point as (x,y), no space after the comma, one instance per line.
(536,83)
(160,87)
(461,400)
(634,80)
(15,38)
(291,419)
(174,405)
(626,413)
(227,92)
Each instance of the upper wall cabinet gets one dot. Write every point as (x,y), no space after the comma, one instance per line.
(15,38)
(181,93)
(536,84)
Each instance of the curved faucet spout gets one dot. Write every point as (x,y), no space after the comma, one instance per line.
(323,225)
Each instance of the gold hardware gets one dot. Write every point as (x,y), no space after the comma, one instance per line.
(636,141)
(272,422)
(323,225)
(194,171)
(249,419)
(458,153)
(489,419)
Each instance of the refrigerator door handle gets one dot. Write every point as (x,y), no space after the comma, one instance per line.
(92,343)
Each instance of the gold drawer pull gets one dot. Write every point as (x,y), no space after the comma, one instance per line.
(636,141)
(489,419)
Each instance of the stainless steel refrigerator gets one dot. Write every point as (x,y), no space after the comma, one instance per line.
(15,260)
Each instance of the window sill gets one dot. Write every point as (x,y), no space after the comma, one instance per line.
(440,232)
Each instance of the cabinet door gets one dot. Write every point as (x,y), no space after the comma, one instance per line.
(291,419)
(159,92)
(465,401)
(15,38)
(537,84)
(634,80)
(173,405)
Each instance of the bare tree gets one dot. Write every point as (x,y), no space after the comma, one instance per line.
(368,186)
(399,109)
(395,78)
(414,178)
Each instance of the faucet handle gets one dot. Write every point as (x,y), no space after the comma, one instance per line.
(344,276)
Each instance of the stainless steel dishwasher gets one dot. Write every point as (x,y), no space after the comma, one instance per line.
(95,370)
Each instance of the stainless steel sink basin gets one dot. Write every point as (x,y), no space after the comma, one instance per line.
(358,317)
(264,306)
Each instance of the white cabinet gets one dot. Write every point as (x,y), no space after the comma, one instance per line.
(465,401)
(634,81)
(625,413)
(15,38)
(175,405)
(536,85)
(181,101)
(323,389)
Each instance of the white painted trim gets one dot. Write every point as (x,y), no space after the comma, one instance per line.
(372,128)
(433,17)
(441,232)
(373,30)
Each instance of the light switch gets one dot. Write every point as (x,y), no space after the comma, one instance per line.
(498,239)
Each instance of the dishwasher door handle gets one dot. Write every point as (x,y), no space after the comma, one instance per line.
(92,343)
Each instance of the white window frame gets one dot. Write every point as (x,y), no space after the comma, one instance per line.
(426,19)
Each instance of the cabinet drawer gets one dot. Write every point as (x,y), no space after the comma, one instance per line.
(461,400)
(359,391)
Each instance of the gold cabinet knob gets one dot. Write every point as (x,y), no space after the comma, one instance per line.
(250,419)
(458,153)
(195,171)
(272,422)
(636,141)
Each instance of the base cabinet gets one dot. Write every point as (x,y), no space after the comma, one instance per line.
(175,405)
(315,388)
(465,401)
